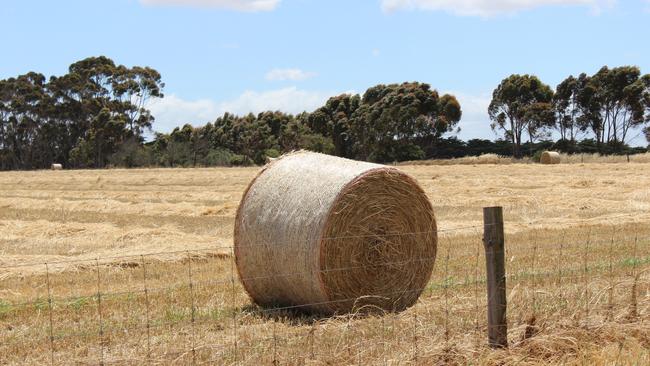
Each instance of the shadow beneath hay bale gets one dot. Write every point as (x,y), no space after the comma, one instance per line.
(298,316)
(292,316)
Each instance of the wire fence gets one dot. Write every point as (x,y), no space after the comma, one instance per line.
(189,307)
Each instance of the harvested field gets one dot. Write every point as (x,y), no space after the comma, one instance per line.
(156,245)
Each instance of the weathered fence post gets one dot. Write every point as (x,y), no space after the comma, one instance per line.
(493,240)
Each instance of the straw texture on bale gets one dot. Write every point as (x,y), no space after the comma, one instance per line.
(550,157)
(332,235)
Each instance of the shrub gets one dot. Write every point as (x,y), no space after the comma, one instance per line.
(240,160)
(271,153)
(218,157)
(131,154)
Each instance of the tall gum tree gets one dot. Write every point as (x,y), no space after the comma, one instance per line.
(618,101)
(86,114)
(333,120)
(520,104)
(569,111)
(395,121)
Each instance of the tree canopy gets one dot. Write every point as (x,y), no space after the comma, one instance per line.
(334,120)
(399,121)
(96,115)
(521,104)
(608,104)
(79,118)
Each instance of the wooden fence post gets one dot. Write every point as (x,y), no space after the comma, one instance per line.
(494,243)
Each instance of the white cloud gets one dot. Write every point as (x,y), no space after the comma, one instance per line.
(475,122)
(172,111)
(240,5)
(290,100)
(288,74)
(488,8)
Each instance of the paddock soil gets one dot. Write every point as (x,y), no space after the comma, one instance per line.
(578,253)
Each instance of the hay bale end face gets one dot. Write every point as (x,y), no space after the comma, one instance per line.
(550,157)
(331,235)
(56,167)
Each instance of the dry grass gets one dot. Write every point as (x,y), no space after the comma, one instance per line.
(468,160)
(578,244)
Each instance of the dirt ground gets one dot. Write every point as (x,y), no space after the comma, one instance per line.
(576,232)
(84,214)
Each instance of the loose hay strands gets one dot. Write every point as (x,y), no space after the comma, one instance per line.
(308,213)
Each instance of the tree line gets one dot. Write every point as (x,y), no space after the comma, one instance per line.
(605,107)
(79,119)
(96,116)
(390,122)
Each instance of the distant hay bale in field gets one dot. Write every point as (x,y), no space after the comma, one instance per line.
(331,235)
(56,167)
(550,157)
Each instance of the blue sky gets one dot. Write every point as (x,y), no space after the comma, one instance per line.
(291,55)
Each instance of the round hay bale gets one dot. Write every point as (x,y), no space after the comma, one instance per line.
(550,157)
(331,235)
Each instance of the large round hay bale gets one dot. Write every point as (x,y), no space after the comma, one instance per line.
(550,157)
(331,235)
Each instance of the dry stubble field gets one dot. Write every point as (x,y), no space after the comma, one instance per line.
(134,267)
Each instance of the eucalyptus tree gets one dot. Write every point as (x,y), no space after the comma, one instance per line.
(619,99)
(520,104)
(102,104)
(80,117)
(392,121)
(334,120)
(20,107)
(132,89)
(646,82)
(571,106)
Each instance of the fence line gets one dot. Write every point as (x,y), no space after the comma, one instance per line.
(602,274)
(534,274)
(146,300)
(112,260)
(49,307)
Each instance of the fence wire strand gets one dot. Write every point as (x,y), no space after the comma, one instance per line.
(600,281)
